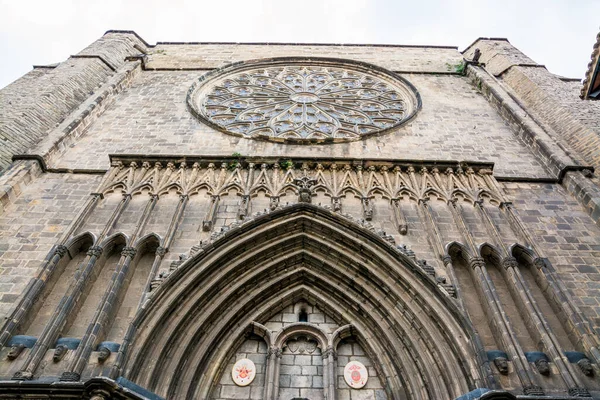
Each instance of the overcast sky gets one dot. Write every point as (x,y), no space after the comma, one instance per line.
(558,34)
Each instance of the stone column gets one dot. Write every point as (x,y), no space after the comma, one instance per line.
(103,312)
(504,334)
(159,255)
(58,319)
(63,310)
(537,322)
(329,367)
(576,322)
(107,306)
(272,356)
(275,377)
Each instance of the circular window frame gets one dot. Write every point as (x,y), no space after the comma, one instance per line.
(203,85)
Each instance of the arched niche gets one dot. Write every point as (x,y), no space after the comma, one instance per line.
(39,315)
(420,343)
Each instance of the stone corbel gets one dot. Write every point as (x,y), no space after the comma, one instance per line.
(336,204)
(367,206)
(243,207)
(273,202)
(399,217)
(304,185)
(209,221)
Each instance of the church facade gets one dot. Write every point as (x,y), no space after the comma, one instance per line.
(299,221)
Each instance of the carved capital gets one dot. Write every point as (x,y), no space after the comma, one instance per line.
(69,376)
(477,262)
(161,251)
(61,250)
(446,260)
(128,252)
(95,251)
(579,392)
(274,352)
(585,365)
(22,376)
(329,351)
(510,262)
(533,390)
(506,204)
(540,262)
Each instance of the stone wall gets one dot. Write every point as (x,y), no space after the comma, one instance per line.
(42,99)
(456,123)
(426,193)
(301,370)
(33,224)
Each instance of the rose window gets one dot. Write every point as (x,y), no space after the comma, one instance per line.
(295,100)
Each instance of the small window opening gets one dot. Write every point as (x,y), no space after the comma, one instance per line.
(303,316)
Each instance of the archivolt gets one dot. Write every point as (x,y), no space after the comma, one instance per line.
(418,340)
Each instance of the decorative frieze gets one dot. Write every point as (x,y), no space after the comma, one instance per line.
(365,179)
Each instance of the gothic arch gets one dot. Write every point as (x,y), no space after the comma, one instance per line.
(421,344)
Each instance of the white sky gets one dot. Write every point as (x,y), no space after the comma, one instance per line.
(558,34)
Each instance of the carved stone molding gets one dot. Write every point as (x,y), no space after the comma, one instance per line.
(391,179)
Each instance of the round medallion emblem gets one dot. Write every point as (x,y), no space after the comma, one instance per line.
(302,100)
(356,374)
(243,372)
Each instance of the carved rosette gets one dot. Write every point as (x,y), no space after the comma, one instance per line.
(303,100)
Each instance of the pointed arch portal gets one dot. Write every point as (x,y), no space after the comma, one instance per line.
(420,343)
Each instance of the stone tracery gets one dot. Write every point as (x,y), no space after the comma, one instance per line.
(304,100)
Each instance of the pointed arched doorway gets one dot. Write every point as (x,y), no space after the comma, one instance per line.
(376,300)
